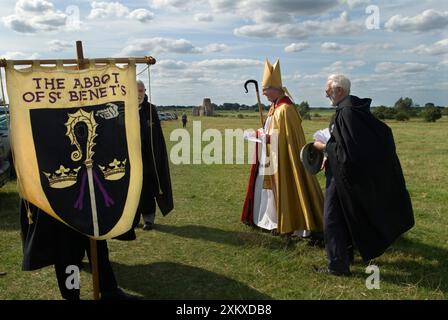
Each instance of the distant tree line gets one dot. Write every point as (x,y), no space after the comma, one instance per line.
(227,106)
(403,110)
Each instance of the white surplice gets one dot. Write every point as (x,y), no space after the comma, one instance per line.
(265,214)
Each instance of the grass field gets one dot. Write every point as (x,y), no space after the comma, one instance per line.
(202,251)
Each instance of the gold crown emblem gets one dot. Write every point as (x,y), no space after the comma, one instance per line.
(114,170)
(63,177)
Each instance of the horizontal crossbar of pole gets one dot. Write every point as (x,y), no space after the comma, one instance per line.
(145,60)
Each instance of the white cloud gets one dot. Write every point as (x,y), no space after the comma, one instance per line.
(218,64)
(261,31)
(290,77)
(159,45)
(356,3)
(168,45)
(215,47)
(141,15)
(34,5)
(197,68)
(19,24)
(261,16)
(426,21)
(287,7)
(338,26)
(296,47)
(409,67)
(58,45)
(363,48)
(333,47)
(225,5)
(438,48)
(160,4)
(31,16)
(51,20)
(344,66)
(358,49)
(172,64)
(101,10)
(317,76)
(203,17)
(17,55)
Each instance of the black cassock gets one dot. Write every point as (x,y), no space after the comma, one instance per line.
(369,179)
(47,241)
(155,159)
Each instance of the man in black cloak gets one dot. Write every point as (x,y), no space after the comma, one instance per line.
(156,172)
(46,241)
(366,202)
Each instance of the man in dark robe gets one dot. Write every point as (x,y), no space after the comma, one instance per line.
(184,120)
(156,173)
(366,203)
(46,241)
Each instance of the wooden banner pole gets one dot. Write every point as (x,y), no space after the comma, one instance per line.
(93,243)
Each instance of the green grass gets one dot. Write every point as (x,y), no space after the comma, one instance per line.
(202,251)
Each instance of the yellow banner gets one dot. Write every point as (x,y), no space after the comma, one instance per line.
(75,137)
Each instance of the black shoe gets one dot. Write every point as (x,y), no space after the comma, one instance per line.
(317,239)
(2,273)
(148,226)
(317,236)
(332,272)
(118,294)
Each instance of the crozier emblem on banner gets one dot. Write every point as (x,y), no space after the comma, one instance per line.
(76,141)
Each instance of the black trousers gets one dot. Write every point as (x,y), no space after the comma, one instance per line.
(73,256)
(147,204)
(338,244)
(49,242)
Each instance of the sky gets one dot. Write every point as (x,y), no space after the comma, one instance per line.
(209,48)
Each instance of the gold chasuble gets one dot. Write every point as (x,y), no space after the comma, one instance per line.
(299,199)
(281,194)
